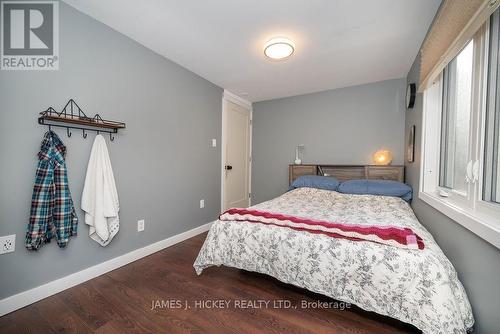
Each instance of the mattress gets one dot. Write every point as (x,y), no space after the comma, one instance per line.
(419,287)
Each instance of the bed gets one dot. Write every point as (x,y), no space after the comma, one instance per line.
(416,286)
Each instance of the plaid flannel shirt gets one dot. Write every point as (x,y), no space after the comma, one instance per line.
(52,209)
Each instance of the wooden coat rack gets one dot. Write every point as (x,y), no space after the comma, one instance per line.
(73,117)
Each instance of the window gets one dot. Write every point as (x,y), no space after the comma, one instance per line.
(460,174)
(455,121)
(491,188)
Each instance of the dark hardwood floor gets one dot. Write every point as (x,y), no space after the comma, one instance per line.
(120,302)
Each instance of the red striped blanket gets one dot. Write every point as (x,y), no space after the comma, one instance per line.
(387,235)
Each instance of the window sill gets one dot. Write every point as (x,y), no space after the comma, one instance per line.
(485,226)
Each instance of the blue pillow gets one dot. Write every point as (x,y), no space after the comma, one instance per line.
(376,187)
(316,181)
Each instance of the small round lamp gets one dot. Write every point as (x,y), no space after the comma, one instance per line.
(382,157)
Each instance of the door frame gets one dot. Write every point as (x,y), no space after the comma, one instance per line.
(231,97)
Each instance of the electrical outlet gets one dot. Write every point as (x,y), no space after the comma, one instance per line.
(202,203)
(140,225)
(7,244)
(214,142)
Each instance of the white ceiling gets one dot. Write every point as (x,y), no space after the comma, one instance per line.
(339,43)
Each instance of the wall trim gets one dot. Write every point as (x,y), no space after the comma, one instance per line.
(31,296)
(236,99)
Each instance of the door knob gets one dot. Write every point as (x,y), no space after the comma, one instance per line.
(228,167)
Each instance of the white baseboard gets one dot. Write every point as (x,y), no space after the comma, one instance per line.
(28,297)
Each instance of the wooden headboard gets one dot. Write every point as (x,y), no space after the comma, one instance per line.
(348,172)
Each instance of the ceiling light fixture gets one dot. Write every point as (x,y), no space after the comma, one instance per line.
(279,48)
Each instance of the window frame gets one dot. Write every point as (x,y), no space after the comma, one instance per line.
(446,79)
(471,211)
(492,129)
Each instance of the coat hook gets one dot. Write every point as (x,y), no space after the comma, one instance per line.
(68,132)
(84,134)
(111,137)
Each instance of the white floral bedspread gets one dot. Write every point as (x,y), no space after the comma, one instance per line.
(419,287)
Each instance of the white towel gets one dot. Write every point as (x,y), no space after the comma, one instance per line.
(100,198)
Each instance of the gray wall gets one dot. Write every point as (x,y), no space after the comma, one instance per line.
(476,261)
(341,126)
(163,161)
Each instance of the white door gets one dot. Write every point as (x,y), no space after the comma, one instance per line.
(237,156)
